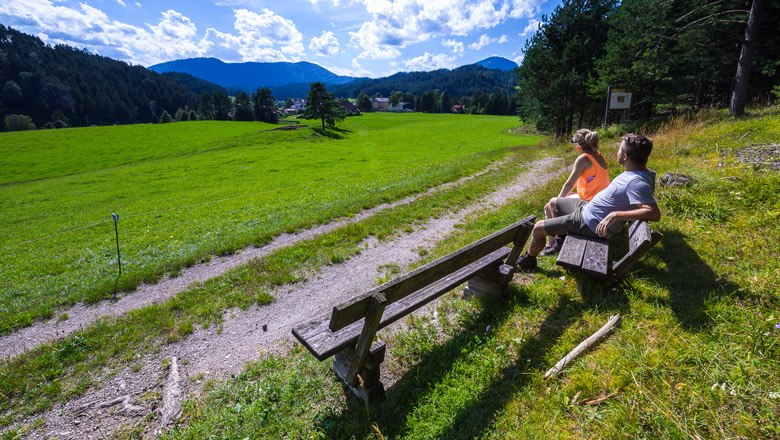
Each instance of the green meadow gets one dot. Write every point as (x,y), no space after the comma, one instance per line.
(697,354)
(189,190)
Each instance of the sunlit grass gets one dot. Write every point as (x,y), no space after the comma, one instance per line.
(189,190)
(697,354)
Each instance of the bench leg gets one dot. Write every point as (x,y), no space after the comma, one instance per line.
(369,387)
(491,281)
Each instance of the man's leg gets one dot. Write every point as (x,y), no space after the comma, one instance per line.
(568,220)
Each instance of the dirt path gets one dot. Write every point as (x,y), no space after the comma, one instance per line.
(127,398)
(81,315)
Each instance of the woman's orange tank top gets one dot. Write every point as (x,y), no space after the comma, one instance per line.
(593,180)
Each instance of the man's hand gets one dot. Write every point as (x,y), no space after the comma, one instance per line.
(603,226)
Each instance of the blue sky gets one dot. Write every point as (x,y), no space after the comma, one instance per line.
(349,37)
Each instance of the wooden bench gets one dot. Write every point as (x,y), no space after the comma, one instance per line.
(349,331)
(591,255)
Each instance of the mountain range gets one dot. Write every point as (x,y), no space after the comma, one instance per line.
(289,79)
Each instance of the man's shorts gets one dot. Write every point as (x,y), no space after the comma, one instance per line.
(569,220)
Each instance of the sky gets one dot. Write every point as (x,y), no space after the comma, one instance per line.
(372,38)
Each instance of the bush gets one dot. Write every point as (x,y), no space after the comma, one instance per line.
(18,123)
(165,117)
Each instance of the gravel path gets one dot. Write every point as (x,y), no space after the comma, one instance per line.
(81,315)
(245,335)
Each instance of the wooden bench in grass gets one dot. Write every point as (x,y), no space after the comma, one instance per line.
(348,332)
(591,255)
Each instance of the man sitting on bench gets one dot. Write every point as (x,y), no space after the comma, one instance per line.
(628,197)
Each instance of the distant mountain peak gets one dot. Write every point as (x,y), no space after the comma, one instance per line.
(498,63)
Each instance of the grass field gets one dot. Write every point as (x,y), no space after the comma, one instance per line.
(697,355)
(188,190)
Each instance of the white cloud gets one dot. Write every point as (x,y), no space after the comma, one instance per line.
(533,26)
(325,45)
(397,24)
(428,61)
(356,70)
(525,8)
(262,36)
(121,3)
(457,46)
(90,28)
(484,40)
(138,5)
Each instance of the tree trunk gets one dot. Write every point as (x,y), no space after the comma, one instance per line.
(739,94)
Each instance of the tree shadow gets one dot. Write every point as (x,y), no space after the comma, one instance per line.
(333,132)
(422,378)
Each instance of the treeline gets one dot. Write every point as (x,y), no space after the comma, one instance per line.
(437,101)
(673,55)
(260,106)
(59,85)
(463,81)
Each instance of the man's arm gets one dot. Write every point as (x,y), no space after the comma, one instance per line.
(648,212)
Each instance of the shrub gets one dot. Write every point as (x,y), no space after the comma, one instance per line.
(19,123)
(165,117)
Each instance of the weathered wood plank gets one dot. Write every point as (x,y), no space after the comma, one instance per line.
(596,257)
(519,242)
(643,247)
(376,307)
(638,233)
(323,343)
(355,309)
(572,252)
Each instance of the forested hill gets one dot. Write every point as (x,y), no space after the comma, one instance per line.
(463,81)
(38,80)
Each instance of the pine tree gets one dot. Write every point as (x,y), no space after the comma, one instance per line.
(321,105)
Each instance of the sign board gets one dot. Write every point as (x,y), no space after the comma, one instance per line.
(620,100)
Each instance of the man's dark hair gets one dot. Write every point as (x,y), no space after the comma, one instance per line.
(638,147)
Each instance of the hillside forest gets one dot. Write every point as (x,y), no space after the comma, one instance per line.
(673,55)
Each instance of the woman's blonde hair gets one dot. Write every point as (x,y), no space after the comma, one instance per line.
(588,140)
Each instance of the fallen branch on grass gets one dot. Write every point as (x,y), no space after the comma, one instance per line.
(584,345)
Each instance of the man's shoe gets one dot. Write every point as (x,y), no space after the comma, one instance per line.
(553,248)
(526,262)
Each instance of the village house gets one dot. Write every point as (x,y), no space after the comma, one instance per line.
(380,104)
(400,107)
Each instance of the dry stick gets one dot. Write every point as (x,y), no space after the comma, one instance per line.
(584,345)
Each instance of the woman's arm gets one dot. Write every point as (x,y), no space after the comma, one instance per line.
(580,166)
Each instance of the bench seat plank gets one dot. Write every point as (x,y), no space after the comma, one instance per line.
(572,252)
(596,258)
(324,343)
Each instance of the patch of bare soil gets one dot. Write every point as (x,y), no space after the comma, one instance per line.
(82,315)
(246,335)
(760,156)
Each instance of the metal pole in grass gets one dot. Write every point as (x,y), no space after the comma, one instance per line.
(118,255)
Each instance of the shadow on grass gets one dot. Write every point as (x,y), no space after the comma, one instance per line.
(333,133)
(476,417)
(689,279)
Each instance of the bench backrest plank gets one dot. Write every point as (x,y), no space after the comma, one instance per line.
(355,309)
(640,241)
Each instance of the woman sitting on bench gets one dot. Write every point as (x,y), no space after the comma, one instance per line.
(588,177)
